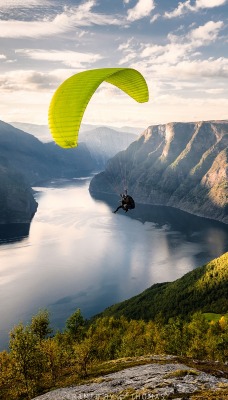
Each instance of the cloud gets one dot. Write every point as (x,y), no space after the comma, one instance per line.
(72,59)
(20,80)
(142,9)
(181,47)
(176,67)
(69,19)
(34,29)
(185,7)
(209,3)
(22,3)
(205,34)
(155,17)
(2,57)
(186,70)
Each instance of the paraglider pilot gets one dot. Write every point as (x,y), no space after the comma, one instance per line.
(127,202)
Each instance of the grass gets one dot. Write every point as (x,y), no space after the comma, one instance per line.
(211,395)
(214,317)
(181,372)
(144,394)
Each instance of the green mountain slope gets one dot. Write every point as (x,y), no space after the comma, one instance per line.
(203,289)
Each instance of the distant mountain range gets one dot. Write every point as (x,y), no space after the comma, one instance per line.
(104,143)
(183,165)
(203,289)
(42,132)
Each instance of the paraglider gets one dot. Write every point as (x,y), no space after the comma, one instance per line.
(127,202)
(70,100)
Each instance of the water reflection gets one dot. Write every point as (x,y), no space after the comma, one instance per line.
(179,226)
(13,233)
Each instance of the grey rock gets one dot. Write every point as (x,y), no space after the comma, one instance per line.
(155,380)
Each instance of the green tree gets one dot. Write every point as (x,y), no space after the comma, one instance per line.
(40,324)
(7,387)
(106,334)
(196,331)
(83,355)
(75,325)
(173,337)
(134,340)
(52,353)
(27,358)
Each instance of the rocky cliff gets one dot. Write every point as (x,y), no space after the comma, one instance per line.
(17,204)
(183,165)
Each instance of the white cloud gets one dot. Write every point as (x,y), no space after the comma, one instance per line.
(69,19)
(7,4)
(176,49)
(21,80)
(180,10)
(209,3)
(31,29)
(155,17)
(180,47)
(126,46)
(142,9)
(2,57)
(186,70)
(72,59)
(185,7)
(206,33)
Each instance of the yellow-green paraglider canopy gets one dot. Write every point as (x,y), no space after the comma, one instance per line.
(70,100)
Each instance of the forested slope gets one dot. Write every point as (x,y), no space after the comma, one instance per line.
(203,289)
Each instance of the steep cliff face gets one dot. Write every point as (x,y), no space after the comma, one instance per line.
(17,204)
(182,165)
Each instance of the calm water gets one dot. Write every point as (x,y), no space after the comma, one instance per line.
(78,254)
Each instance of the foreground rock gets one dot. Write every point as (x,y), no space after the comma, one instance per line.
(160,379)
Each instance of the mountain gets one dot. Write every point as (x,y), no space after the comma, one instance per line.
(38,161)
(103,143)
(42,132)
(203,289)
(183,165)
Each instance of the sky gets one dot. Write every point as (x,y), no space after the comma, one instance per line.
(180,47)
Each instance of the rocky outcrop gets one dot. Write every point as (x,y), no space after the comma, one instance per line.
(183,165)
(162,378)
